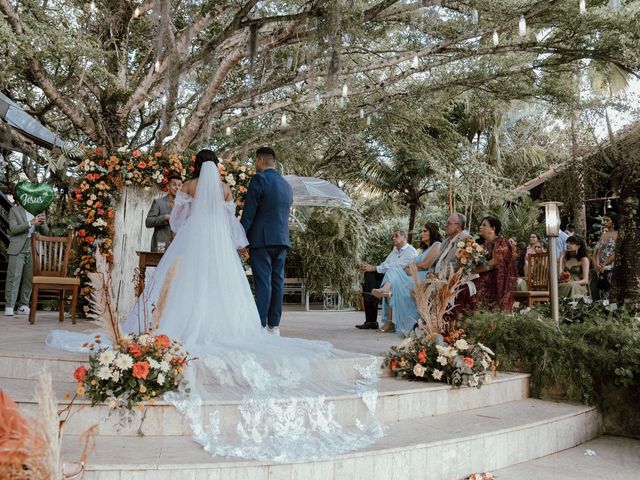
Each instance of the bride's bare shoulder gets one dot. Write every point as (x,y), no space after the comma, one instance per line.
(189,187)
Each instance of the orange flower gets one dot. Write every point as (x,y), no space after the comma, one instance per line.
(141,370)
(89,239)
(142,165)
(82,232)
(80,374)
(97,151)
(158,154)
(422,356)
(135,350)
(468,362)
(136,153)
(162,342)
(393,364)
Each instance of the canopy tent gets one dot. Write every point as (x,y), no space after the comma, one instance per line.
(313,192)
(26,125)
(316,192)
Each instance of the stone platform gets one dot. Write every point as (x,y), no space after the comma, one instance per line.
(432,431)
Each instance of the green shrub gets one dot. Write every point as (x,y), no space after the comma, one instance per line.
(592,356)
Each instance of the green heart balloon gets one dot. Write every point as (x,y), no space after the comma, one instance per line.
(34,197)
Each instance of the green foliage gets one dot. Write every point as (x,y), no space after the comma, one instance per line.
(519,219)
(379,241)
(593,356)
(327,250)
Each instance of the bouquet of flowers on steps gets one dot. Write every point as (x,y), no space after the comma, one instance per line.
(437,350)
(128,369)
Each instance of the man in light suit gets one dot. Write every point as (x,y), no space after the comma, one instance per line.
(265,219)
(20,267)
(160,213)
(455,230)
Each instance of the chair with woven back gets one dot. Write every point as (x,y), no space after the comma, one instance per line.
(537,280)
(50,261)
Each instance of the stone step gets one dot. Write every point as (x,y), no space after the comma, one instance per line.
(398,400)
(444,447)
(18,365)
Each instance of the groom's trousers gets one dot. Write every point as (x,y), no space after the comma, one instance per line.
(267,265)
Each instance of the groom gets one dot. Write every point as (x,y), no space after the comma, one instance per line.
(266,220)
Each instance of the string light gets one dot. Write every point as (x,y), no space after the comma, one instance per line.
(361,113)
(283,120)
(156,66)
(345,90)
(368,120)
(474,16)
(228,131)
(136,12)
(522,26)
(583,6)
(416,62)
(496,38)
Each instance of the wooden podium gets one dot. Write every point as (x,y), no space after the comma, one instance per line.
(146,259)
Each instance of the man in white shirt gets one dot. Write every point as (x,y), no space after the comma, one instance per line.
(401,256)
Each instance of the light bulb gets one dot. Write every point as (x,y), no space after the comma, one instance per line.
(156,66)
(361,113)
(496,38)
(416,62)
(369,120)
(345,90)
(136,12)
(228,131)
(522,26)
(283,120)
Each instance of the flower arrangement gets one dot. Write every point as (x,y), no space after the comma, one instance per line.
(451,360)
(237,176)
(470,254)
(480,476)
(565,277)
(135,369)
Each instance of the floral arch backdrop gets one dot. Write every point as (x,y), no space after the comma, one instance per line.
(103,179)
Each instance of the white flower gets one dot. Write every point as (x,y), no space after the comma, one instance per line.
(106,357)
(485,365)
(486,349)
(160,379)
(419,370)
(461,344)
(605,302)
(104,373)
(469,250)
(473,381)
(143,339)
(167,357)
(123,361)
(460,244)
(442,360)
(437,374)
(153,363)
(115,375)
(165,366)
(123,149)
(242,176)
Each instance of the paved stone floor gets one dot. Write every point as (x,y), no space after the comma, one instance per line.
(336,327)
(616,458)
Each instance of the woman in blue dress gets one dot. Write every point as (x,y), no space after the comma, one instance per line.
(399,310)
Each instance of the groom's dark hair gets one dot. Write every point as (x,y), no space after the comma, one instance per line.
(267,154)
(202,156)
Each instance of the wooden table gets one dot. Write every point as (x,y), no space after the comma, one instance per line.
(146,259)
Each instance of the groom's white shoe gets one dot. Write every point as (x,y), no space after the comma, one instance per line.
(274,331)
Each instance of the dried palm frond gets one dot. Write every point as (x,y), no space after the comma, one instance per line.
(102,299)
(47,425)
(158,309)
(435,298)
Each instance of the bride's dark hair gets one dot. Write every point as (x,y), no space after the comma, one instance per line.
(201,157)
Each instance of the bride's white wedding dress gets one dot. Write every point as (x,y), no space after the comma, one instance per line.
(282,387)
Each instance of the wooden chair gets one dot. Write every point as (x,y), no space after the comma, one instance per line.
(50,260)
(537,280)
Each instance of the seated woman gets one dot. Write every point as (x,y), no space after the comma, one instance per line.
(495,287)
(574,269)
(397,285)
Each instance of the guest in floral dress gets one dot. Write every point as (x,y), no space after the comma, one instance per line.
(574,269)
(605,253)
(397,285)
(496,285)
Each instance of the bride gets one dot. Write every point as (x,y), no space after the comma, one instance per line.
(281,387)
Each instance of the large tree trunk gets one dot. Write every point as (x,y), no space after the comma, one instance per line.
(412,221)
(578,213)
(626,273)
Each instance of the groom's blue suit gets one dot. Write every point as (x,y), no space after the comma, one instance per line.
(266,220)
